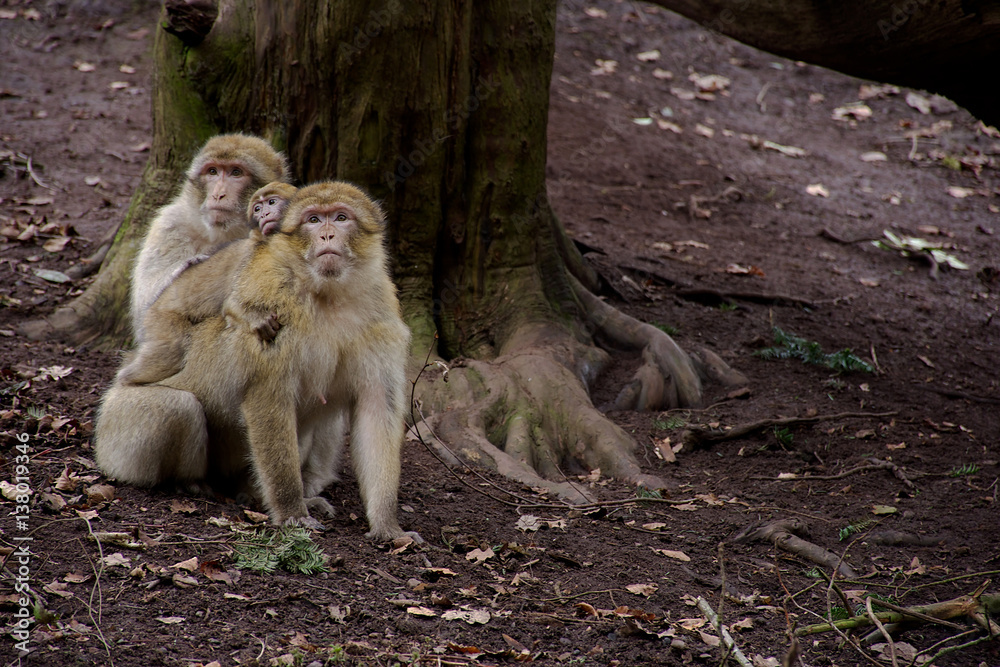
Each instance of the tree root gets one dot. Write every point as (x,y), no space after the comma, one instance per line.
(668,378)
(528,414)
(781,534)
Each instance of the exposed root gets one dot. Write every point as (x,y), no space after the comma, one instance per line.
(527,414)
(669,377)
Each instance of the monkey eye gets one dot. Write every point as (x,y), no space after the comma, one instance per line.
(237,171)
(256,209)
(272,201)
(212,171)
(313,218)
(341,217)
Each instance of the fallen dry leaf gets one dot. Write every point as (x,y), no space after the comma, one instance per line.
(855,111)
(479,555)
(648,56)
(170,620)
(191,564)
(817,190)
(662,74)
(604,67)
(421,611)
(676,555)
(641,589)
(84,66)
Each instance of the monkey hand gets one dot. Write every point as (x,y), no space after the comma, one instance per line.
(267,328)
(305,522)
(321,506)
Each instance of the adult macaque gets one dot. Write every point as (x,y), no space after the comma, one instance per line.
(209,211)
(268,205)
(341,352)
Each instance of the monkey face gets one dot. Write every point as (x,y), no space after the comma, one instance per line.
(266,213)
(330,229)
(225,183)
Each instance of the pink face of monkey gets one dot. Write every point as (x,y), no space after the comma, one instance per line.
(266,212)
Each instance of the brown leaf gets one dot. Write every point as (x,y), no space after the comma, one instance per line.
(67,481)
(58,588)
(57,244)
(182,506)
(184,581)
(101,493)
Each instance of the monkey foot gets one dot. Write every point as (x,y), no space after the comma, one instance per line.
(304,521)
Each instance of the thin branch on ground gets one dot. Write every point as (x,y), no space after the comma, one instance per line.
(881,628)
(960,607)
(727,639)
(699,437)
(96,589)
(873,464)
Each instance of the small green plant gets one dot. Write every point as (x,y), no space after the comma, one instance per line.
(790,346)
(783,436)
(857,526)
(643,492)
(668,424)
(35,412)
(728,306)
(862,609)
(666,328)
(290,548)
(964,471)
(336,655)
(839,614)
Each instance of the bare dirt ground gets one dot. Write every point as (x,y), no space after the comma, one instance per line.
(698,223)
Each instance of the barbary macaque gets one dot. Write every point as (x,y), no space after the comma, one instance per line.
(267,205)
(340,354)
(208,212)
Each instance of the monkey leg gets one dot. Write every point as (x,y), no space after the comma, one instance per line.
(321,451)
(149,435)
(274,450)
(376,440)
(155,360)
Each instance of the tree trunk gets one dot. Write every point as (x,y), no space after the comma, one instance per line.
(950,47)
(441,114)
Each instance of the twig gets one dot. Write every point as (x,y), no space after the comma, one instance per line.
(727,639)
(885,633)
(702,294)
(97,589)
(31,172)
(704,436)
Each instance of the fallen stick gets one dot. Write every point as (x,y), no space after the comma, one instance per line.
(963,606)
(696,437)
(727,639)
